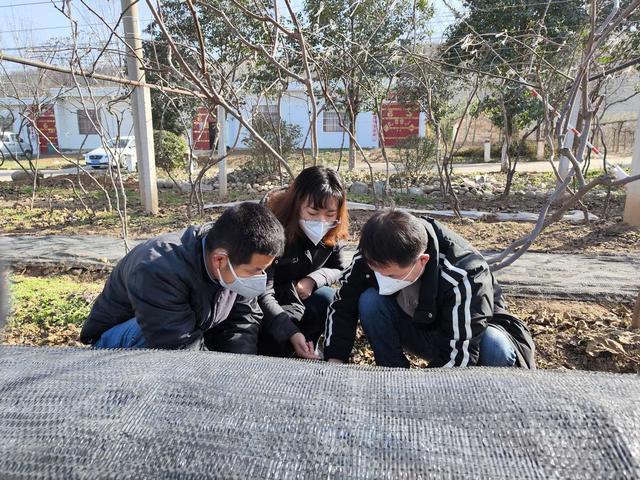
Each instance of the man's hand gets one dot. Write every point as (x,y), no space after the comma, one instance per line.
(334,360)
(305,287)
(303,348)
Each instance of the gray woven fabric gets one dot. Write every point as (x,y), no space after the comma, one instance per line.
(72,413)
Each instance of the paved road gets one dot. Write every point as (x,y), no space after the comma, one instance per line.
(493,167)
(5,175)
(534,274)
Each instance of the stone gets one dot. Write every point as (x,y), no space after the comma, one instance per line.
(430,189)
(19,175)
(359,188)
(469,183)
(164,183)
(415,191)
(378,187)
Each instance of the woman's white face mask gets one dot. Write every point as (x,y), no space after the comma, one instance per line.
(389,286)
(316,221)
(315,230)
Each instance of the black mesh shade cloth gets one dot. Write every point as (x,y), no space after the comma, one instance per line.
(80,413)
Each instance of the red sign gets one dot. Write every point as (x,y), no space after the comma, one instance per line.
(398,123)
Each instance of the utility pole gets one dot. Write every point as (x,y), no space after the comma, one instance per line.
(632,204)
(141,107)
(221,117)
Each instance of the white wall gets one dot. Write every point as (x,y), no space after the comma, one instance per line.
(293,109)
(69,137)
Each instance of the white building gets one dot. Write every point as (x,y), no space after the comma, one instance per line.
(82,115)
(76,117)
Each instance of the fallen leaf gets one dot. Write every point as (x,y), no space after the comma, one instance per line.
(600,344)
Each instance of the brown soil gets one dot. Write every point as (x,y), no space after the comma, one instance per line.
(601,237)
(57,211)
(568,335)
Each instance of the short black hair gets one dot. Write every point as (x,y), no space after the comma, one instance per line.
(393,236)
(245,229)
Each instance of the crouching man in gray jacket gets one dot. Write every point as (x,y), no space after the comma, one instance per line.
(191,289)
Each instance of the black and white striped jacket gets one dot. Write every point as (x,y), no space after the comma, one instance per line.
(458,299)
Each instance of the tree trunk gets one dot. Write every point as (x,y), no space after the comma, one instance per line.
(635,318)
(506,140)
(504,157)
(352,143)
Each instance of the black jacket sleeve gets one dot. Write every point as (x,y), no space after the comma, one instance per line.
(108,310)
(277,323)
(342,318)
(466,306)
(161,305)
(332,269)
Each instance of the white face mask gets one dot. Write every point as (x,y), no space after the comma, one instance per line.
(248,287)
(389,286)
(316,229)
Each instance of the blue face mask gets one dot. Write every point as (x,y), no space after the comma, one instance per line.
(248,287)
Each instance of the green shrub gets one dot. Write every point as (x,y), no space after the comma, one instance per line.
(170,151)
(284,142)
(416,156)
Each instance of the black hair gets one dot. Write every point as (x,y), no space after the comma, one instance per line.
(245,229)
(393,236)
(317,184)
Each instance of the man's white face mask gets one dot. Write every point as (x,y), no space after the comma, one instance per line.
(389,286)
(248,287)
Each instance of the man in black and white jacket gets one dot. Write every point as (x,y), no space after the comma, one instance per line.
(418,287)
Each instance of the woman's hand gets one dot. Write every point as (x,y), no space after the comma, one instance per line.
(305,287)
(303,348)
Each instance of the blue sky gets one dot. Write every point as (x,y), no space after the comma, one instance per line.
(37,22)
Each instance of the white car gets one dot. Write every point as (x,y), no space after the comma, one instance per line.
(12,146)
(119,150)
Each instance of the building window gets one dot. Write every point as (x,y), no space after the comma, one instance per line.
(268,115)
(87,122)
(331,121)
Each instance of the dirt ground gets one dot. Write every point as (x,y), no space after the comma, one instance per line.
(568,335)
(57,211)
(573,335)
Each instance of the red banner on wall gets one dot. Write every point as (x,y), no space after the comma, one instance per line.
(398,123)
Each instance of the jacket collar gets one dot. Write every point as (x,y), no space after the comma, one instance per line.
(426,310)
(202,236)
